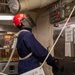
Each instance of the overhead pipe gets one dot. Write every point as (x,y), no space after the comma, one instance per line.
(25,5)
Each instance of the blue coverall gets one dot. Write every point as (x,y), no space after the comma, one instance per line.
(27,43)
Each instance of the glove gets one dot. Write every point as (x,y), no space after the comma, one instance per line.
(56,67)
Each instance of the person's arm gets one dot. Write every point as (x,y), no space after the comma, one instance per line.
(38,50)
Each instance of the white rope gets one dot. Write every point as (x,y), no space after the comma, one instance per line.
(51,47)
(10,57)
(14,47)
(58,36)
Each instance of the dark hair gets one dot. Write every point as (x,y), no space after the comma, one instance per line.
(20,26)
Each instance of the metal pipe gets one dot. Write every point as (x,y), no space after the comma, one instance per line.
(25,5)
(33,4)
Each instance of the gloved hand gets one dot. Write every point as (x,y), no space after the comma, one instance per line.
(56,67)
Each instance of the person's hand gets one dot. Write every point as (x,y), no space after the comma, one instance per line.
(57,66)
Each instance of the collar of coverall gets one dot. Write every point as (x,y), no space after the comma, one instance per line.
(29,29)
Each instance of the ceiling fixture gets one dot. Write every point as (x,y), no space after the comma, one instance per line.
(6,17)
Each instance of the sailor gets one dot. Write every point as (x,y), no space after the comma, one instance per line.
(30,51)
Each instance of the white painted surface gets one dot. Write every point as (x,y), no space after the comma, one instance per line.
(37,71)
(68,49)
(44,34)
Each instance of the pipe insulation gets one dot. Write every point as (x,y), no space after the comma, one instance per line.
(25,5)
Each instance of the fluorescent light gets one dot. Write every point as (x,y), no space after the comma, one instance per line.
(6,17)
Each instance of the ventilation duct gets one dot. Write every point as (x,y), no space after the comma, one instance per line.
(25,5)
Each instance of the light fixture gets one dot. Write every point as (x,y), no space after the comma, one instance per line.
(6,17)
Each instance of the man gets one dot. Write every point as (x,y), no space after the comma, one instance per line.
(30,51)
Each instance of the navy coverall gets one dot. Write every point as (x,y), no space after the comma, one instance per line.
(27,43)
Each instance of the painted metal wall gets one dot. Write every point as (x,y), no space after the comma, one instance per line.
(44,34)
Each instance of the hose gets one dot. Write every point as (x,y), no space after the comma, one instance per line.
(58,36)
(14,48)
(10,56)
(50,49)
